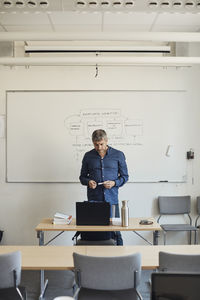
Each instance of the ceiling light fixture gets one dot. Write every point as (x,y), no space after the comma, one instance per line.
(117,4)
(31,4)
(80,4)
(129,4)
(19,3)
(43,4)
(177,4)
(7,3)
(105,4)
(189,4)
(153,4)
(165,4)
(92,4)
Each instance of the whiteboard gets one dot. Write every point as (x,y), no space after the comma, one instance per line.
(48,133)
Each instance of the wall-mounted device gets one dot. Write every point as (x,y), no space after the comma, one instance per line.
(190,154)
(169,150)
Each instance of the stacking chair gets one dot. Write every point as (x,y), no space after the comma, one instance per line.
(198,212)
(107,277)
(10,277)
(175,286)
(176,205)
(183,263)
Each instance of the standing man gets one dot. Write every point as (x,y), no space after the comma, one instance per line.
(103,171)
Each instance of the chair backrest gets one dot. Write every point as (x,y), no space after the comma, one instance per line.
(198,205)
(173,205)
(107,273)
(171,262)
(10,269)
(175,286)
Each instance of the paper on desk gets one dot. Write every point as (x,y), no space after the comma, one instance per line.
(116,221)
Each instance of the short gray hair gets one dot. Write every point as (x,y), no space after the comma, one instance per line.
(99,135)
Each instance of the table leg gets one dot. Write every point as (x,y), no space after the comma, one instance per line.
(155,237)
(43,283)
(40,236)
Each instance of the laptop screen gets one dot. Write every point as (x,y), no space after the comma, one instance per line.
(92,213)
(175,286)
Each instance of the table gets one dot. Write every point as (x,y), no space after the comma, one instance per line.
(60,257)
(46,225)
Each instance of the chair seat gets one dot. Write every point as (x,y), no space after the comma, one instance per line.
(110,242)
(178,227)
(89,294)
(12,294)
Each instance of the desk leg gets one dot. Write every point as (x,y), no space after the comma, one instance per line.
(155,237)
(40,236)
(43,283)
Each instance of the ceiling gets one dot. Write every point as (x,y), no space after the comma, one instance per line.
(100,16)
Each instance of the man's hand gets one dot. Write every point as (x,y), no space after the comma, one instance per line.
(92,184)
(109,184)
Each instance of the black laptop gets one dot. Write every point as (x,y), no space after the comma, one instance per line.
(175,286)
(92,213)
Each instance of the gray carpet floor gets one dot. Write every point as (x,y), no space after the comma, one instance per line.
(59,282)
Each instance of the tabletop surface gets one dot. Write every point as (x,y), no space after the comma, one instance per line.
(46,225)
(60,257)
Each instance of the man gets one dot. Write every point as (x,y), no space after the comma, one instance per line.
(104,170)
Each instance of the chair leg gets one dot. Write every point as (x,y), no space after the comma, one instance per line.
(195,238)
(138,294)
(164,235)
(20,294)
(190,240)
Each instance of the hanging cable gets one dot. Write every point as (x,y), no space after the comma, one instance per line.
(97,71)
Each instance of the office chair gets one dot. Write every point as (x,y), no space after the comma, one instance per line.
(176,205)
(10,277)
(183,263)
(107,277)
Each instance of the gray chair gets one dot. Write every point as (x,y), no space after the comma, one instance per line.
(10,277)
(182,263)
(176,205)
(198,212)
(175,286)
(107,278)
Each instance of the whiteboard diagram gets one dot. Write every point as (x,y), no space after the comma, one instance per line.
(48,133)
(121,131)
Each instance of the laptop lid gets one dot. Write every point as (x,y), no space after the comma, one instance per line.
(92,213)
(175,286)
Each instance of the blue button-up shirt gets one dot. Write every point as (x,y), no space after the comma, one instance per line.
(111,167)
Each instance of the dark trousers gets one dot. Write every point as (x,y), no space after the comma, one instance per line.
(118,237)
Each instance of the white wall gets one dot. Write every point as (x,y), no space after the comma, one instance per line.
(23,205)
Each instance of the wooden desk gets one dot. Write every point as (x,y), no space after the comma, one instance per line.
(60,257)
(46,225)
